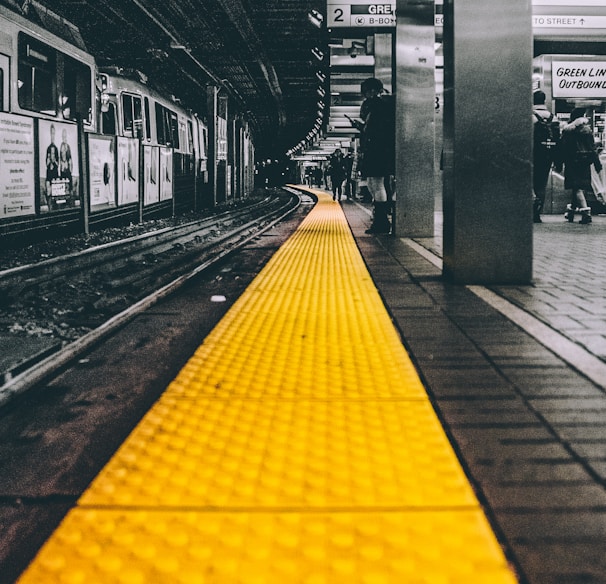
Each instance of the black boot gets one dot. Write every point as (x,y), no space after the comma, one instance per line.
(537,207)
(585,215)
(380,221)
(569,215)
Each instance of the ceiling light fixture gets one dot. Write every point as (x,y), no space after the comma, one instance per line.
(316,18)
(317,53)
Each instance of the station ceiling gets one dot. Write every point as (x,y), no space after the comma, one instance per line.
(258,51)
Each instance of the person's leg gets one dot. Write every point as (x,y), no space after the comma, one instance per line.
(380,223)
(571,207)
(584,208)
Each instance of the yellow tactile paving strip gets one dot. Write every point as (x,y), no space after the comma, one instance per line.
(296,446)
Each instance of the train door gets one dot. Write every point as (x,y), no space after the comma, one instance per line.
(4,82)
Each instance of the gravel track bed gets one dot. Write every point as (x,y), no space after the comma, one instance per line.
(66,311)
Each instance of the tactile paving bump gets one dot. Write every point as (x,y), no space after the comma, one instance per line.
(312,324)
(278,453)
(159,547)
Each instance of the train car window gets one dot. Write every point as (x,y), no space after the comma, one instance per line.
(182,136)
(160,130)
(108,121)
(77,98)
(167,126)
(204,142)
(37,83)
(190,136)
(132,120)
(173,123)
(147,120)
(138,117)
(4,82)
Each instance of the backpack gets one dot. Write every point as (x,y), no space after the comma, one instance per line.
(546,132)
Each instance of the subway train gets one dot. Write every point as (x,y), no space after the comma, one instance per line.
(85,147)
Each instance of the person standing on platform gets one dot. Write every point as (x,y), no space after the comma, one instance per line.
(579,153)
(546,135)
(336,171)
(350,169)
(377,146)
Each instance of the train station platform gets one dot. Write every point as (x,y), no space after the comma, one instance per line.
(298,444)
(355,418)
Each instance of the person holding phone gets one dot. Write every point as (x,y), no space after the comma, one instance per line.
(377,146)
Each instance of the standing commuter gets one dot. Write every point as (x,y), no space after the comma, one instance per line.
(350,169)
(336,171)
(377,145)
(546,134)
(579,153)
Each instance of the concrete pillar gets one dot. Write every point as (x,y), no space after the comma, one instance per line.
(415,99)
(487,196)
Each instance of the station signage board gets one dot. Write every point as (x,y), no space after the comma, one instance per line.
(562,18)
(578,79)
(361,14)
(568,21)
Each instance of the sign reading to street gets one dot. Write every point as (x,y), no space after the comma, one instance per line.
(360,13)
(564,21)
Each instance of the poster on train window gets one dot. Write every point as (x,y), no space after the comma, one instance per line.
(166,174)
(128,170)
(221,138)
(102,177)
(17,169)
(59,170)
(151,164)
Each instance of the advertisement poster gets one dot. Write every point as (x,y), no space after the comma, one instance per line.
(102,172)
(151,163)
(59,170)
(17,172)
(221,138)
(128,170)
(166,174)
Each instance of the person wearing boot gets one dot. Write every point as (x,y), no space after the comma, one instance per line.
(377,145)
(544,151)
(579,153)
(337,172)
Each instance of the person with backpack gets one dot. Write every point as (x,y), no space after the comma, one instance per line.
(545,151)
(578,153)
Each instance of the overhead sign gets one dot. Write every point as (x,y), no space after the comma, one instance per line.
(586,79)
(361,13)
(565,21)
(570,3)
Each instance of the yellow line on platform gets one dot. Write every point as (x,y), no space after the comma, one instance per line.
(297,445)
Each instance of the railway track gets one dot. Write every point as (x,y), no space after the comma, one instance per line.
(80,298)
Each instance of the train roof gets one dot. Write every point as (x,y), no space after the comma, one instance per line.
(34,13)
(135,81)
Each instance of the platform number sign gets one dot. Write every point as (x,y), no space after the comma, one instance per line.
(359,13)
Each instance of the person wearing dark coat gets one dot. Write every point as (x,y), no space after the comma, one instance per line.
(337,173)
(578,154)
(543,155)
(377,146)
